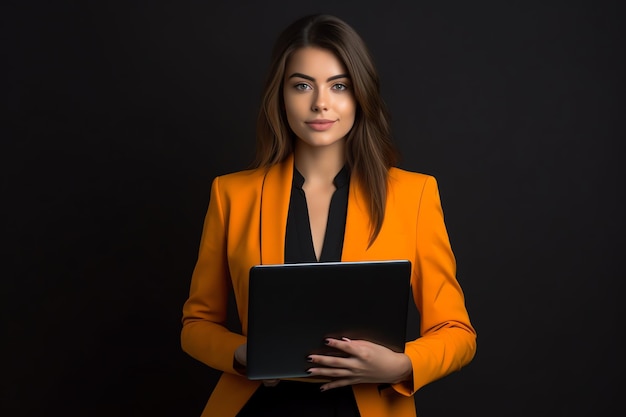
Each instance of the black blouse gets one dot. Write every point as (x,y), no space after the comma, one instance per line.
(291,398)
(298,240)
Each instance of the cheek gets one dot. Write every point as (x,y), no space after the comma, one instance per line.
(294,115)
(347,107)
(294,106)
(349,113)
(289,109)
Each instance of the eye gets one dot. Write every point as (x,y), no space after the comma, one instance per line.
(340,87)
(302,87)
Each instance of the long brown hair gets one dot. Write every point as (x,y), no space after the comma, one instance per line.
(369,148)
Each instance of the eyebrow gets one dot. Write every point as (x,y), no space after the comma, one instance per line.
(308,77)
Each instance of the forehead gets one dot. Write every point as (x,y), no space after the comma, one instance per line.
(315,62)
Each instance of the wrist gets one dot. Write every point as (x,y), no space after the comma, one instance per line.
(405,370)
(239,359)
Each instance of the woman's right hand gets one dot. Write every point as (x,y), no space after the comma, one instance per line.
(241,354)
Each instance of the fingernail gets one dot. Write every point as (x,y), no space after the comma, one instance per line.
(346,339)
(322,389)
(327,341)
(308,371)
(309,359)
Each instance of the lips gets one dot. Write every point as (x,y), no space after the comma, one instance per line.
(320,124)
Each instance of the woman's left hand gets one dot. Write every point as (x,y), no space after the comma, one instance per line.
(367,362)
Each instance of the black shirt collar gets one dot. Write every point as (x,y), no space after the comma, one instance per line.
(341,179)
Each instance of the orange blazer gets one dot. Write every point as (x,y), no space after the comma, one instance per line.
(245,225)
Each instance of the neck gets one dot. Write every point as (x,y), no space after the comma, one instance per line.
(319,164)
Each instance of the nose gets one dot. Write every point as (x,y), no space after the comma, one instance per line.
(320,102)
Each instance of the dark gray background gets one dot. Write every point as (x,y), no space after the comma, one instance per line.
(116,117)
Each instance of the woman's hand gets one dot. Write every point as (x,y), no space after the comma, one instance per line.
(367,362)
(241,356)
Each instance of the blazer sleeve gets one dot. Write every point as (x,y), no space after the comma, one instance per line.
(204,334)
(447,339)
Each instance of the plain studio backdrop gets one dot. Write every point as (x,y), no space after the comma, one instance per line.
(117,116)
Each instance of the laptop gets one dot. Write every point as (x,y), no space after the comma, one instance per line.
(293,308)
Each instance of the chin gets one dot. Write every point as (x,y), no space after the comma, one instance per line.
(321,142)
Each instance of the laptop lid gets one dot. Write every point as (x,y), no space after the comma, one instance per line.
(292,308)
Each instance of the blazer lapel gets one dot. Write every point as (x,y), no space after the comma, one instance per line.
(276,192)
(357,233)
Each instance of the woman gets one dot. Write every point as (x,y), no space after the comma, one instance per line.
(324,188)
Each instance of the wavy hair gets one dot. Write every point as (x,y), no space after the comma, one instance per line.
(370,151)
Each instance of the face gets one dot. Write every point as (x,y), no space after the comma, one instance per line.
(318,95)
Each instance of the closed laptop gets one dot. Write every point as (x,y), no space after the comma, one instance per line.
(293,308)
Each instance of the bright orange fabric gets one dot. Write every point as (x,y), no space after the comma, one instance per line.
(245,225)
